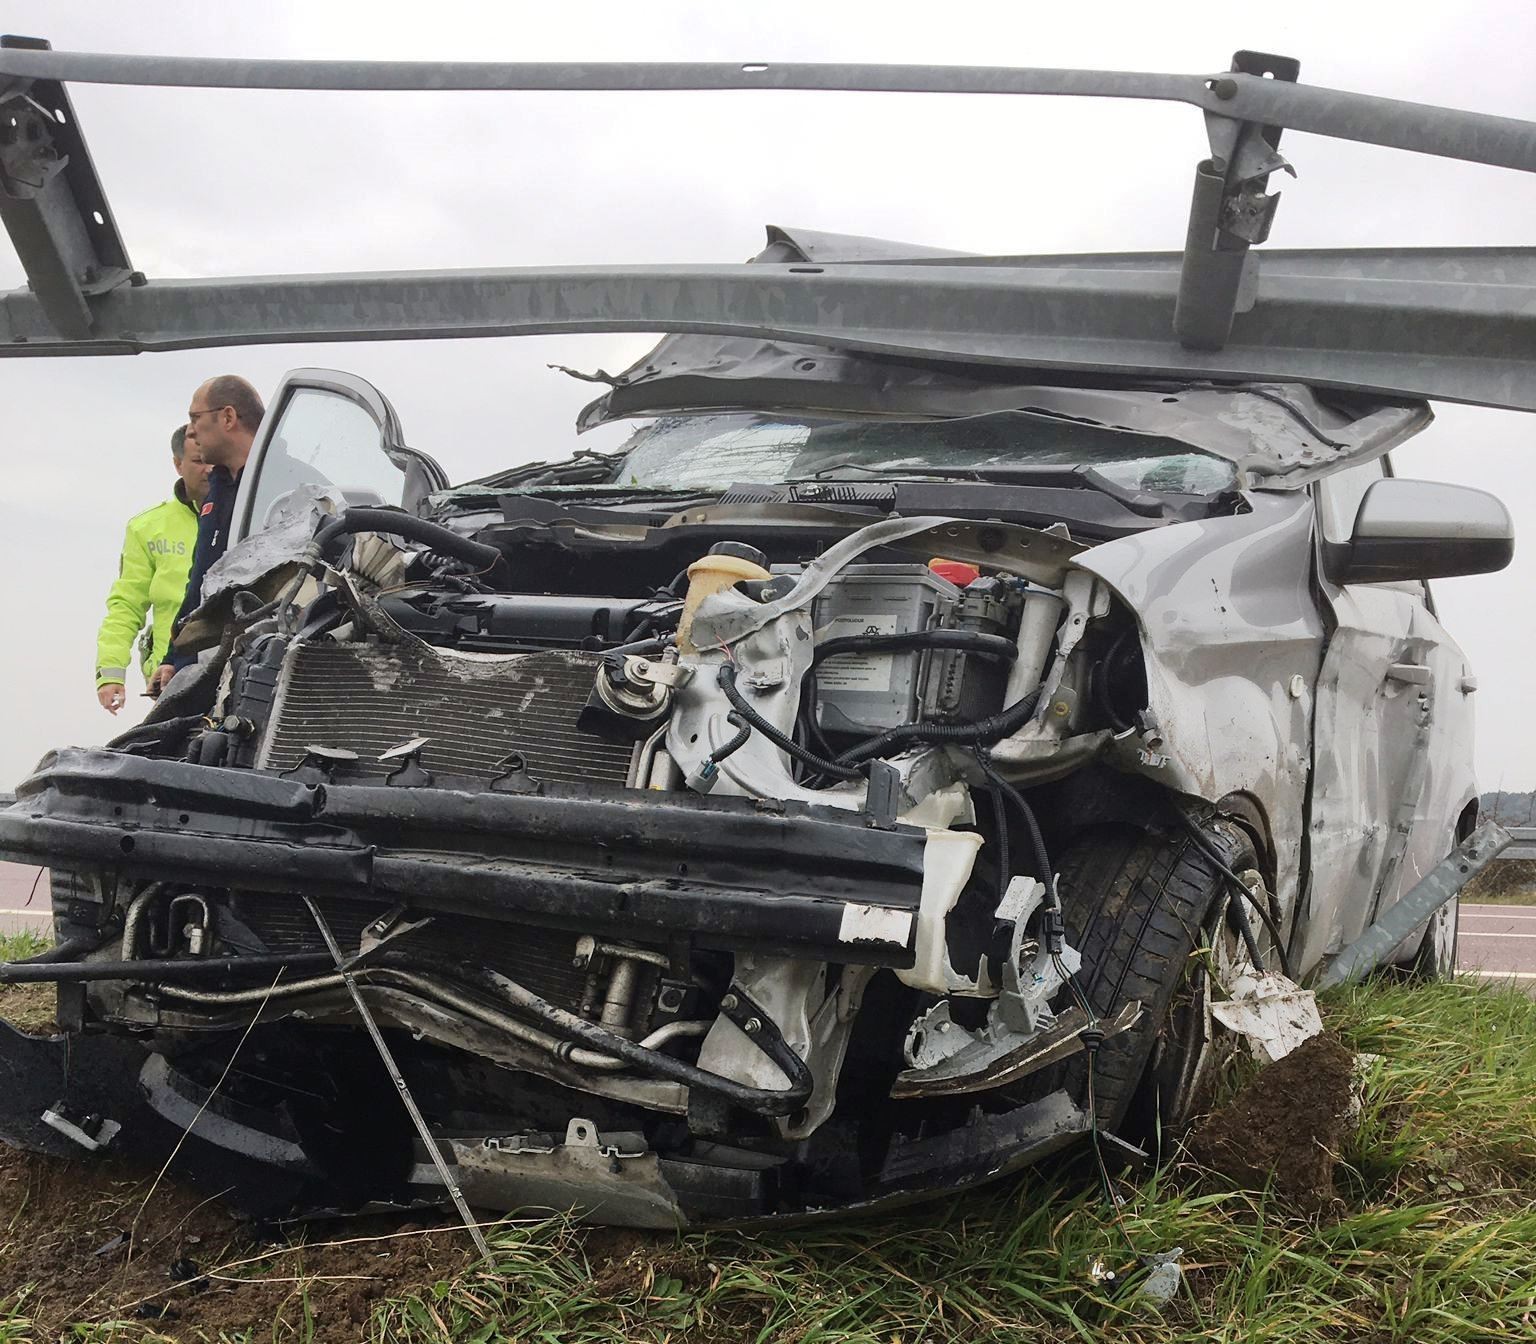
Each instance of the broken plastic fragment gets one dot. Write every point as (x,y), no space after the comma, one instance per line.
(1161,1285)
(91,1132)
(873,924)
(958,572)
(1272,1013)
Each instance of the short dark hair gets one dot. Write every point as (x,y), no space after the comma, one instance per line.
(179,442)
(229,389)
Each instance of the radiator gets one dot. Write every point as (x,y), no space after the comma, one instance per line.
(474,709)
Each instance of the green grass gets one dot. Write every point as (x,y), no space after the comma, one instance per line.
(1432,1241)
(15,946)
(1435,1239)
(29,1007)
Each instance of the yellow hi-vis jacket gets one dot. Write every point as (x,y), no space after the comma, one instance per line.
(151,581)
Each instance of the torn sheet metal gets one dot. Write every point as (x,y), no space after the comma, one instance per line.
(262,564)
(979,1062)
(283,537)
(1272,1013)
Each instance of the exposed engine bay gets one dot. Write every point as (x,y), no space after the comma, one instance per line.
(656,890)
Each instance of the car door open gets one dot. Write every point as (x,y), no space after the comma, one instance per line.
(333,430)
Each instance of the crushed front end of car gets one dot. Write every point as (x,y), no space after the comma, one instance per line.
(753,824)
(854,789)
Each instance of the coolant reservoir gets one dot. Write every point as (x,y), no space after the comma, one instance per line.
(727,564)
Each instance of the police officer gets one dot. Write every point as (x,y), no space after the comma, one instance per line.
(222,421)
(151,578)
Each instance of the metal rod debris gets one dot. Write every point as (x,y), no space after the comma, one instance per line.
(417,1119)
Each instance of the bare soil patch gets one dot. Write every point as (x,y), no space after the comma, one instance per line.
(191,1270)
(84,1243)
(1285,1125)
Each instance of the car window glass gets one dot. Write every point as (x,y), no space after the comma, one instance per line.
(324,438)
(1339,496)
(719,450)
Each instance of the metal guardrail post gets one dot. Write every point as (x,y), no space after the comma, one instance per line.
(1435,888)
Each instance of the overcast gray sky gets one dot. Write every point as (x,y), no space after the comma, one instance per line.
(225,183)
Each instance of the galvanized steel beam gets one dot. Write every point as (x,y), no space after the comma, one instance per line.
(1235,96)
(1096,314)
(52,204)
(1454,325)
(1434,889)
(1230,211)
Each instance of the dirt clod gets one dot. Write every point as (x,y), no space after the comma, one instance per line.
(1285,1126)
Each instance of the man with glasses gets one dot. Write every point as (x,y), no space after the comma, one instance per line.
(151,578)
(222,421)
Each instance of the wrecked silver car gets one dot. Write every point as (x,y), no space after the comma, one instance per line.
(857,786)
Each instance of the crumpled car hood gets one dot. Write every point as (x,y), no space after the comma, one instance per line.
(1282,434)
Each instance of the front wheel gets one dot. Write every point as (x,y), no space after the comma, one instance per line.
(1436,957)
(1146,911)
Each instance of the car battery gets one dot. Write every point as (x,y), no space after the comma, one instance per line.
(866,692)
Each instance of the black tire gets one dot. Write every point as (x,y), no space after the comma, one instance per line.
(1137,906)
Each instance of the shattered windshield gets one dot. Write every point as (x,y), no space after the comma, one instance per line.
(716,451)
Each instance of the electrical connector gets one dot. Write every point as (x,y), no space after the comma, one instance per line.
(1055,931)
(704,778)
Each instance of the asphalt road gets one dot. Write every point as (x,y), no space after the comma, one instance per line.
(23,899)
(1498,942)
(1495,942)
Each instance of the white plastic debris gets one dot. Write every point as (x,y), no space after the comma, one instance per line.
(1271,1012)
(1166,1275)
(91,1132)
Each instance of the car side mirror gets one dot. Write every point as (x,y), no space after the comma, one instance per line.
(1409,530)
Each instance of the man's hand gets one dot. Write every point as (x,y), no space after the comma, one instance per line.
(162,676)
(111,695)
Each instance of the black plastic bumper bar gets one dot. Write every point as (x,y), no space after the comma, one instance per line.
(723,872)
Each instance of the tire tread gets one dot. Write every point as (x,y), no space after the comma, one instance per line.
(1135,903)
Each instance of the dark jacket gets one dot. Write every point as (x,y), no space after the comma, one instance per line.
(213,527)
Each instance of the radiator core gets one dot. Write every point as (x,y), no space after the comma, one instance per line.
(474,709)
